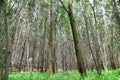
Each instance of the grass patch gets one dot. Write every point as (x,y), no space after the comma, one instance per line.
(109,75)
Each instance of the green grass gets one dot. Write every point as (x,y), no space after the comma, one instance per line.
(109,75)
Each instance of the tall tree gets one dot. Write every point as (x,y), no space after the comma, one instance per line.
(79,56)
(51,39)
(80,62)
(6,51)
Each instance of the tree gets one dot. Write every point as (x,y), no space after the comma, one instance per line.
(6,51)
(51,39)
(78,51)
(79,57)
(97,41)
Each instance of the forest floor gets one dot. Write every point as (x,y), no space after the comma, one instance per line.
(109,75)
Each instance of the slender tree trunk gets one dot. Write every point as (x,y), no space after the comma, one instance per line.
(79,56)
(117,17)
(112,52)
(51,39)
(97,42)
(106,39)
(43,52)
(87,25)
(21,59)
(116,12)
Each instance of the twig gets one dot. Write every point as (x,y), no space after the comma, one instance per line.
(64,6)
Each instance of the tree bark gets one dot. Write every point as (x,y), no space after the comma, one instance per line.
(51,39)
(6,52)
(78,51)
(87,29)
(96,43)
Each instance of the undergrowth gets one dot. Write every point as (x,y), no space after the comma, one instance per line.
(109,75)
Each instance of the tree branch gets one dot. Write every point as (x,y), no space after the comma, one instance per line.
(64,6)
(11,7)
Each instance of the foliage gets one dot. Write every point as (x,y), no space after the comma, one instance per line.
(109,75)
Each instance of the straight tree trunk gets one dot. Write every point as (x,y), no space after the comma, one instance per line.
(21,58)
(43,52)
(6,52)
(117,17)
(96,43)
(51,39)
(1,51)
(89,44)
(116,12)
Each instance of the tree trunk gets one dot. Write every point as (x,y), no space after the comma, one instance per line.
(87,29)
(79,56)
(117,17)
(97,42)
(21,59)
(51,39)
(6,52)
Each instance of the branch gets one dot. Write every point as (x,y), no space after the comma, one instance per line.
(64,6)
(11,8)
(16,15)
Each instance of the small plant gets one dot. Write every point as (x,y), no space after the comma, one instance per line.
(109,75)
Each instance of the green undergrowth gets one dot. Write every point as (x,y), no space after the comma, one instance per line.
(109,75)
